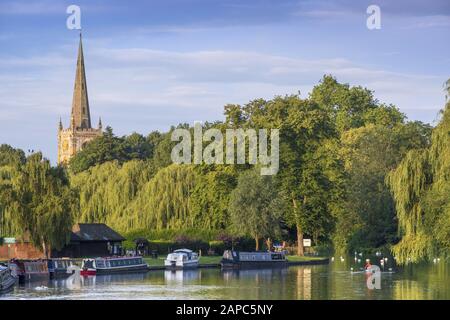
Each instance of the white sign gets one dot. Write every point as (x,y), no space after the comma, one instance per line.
(9,240)
(307,242)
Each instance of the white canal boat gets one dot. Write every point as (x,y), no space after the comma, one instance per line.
(181,259)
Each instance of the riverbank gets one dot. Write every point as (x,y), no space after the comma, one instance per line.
(214,261)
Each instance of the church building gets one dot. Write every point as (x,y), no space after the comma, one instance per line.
(80,131)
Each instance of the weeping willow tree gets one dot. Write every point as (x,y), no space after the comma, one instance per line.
(36,202)
(10,162)
(107,190)
(8,200)
(164,202)
(131,197)
(420,186)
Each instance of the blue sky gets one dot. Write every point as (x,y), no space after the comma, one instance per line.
(152,64)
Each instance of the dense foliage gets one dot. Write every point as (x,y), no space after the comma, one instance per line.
(421,189)
(36,199)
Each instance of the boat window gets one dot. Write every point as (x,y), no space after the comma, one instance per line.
(88,264)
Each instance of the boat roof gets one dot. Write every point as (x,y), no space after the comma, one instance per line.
(115,258)
(183,250)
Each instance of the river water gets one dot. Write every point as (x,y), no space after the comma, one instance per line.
(332,281)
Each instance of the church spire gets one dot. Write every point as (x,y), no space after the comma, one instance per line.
(81,117)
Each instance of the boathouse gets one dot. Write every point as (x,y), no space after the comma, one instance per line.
(86,240)
(91,240)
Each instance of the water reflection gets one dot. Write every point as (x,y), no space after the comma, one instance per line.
(333,281)
(181,277)
(304,283)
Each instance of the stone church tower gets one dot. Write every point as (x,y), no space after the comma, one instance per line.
(80,131)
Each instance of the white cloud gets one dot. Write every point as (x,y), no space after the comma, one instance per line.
(204,79)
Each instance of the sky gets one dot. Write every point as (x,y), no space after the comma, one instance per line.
(153,64)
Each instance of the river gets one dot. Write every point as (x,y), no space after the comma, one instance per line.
(332,281)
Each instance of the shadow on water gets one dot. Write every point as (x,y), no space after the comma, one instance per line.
(332,281)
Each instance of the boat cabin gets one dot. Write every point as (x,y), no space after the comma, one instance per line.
(257,259)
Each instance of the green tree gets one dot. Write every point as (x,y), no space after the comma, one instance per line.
(255,207)
(40,202)
(109,147)
(348,106)
(164,202)
(211,196)
(11,161)
(420,186)
(305,130)
(369,153)
(107,190)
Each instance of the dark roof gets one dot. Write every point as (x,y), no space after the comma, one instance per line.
(94,232)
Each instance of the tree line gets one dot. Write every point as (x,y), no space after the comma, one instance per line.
(354,174)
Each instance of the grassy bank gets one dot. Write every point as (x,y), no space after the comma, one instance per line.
(203,260)
(303,258)
(216,260)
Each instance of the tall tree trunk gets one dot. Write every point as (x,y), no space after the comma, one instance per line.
(300,251)
(256,243)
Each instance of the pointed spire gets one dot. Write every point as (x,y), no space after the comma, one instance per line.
(100,126)
(60,126)
(81,117)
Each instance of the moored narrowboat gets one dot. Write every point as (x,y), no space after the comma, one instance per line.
(29,270)
(249,260)
(108,265)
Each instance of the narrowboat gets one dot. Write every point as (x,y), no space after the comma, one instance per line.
(29,270)
(251,260)
(181,259)
(7,280)
(108,265)
(58,268)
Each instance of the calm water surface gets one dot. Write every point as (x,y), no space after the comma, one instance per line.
(333,281)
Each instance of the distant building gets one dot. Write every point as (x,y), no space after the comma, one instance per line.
(86,240)
(80,131)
